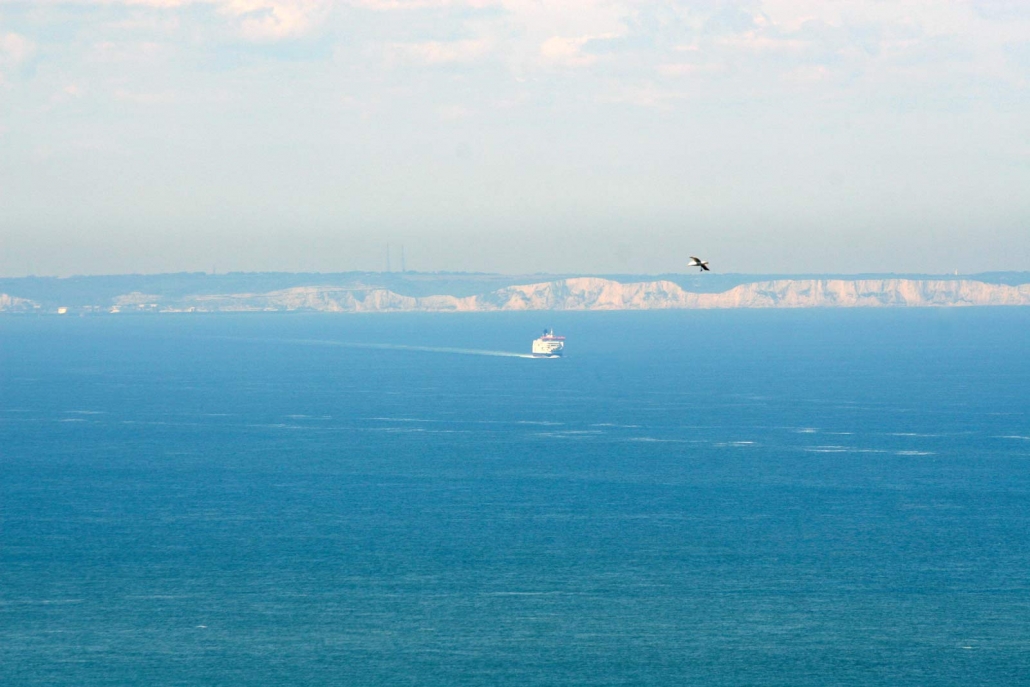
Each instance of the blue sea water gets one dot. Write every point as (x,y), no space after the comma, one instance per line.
(834,497)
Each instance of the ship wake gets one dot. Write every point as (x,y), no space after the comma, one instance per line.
(424,349)
(401,347)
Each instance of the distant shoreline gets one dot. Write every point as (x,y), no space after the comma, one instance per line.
(367,292)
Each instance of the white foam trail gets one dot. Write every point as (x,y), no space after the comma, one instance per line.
(435,349)
(398,347)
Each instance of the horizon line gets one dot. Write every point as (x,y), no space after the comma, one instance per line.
(563,275)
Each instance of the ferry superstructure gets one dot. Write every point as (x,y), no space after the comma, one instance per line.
(548,345)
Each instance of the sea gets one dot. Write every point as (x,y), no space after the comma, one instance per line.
(742,497)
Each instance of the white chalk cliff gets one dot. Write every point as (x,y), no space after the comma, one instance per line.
(13,304)
(591,293)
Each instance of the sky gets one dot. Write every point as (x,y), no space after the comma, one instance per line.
(516,136)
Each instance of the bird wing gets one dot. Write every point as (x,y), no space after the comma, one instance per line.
(696,261)
(704,266)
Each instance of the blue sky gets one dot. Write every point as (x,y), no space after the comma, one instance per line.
(514,136)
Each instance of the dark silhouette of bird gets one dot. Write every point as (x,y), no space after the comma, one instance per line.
(698,262)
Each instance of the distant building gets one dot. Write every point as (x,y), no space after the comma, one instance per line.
(62,310)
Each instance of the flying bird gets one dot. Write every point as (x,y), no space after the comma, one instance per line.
(698,262)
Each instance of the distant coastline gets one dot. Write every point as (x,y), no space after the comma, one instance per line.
(469,292)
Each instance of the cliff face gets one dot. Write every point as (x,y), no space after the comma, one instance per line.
(322,299)
(586,293)
(601,294)
(840,293)
(590,293)
(579,293)
(13,304)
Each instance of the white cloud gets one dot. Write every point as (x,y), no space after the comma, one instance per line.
(567,51)
(68,93)
(758,42)
(152,98)
(439,52)
(809,74)
(14,51)
(401,5)
(647,96)
(690,69)
(142,20)
(454,112)
(637,39)
(257,20)
(270,20)
(127,51)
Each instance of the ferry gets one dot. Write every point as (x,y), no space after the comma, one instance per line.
(548,345)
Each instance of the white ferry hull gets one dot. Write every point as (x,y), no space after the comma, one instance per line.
(548,345)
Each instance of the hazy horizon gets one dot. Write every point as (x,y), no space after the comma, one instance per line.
(776,136)
(473,273)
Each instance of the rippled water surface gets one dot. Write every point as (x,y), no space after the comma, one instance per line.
(734,498)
